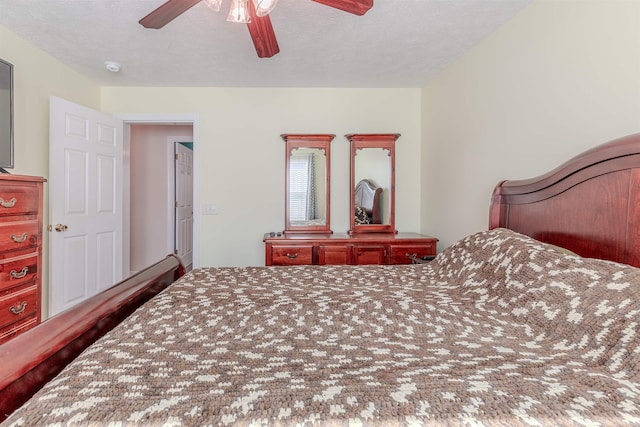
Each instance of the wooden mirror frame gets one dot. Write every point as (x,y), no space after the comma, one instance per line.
(386,141)
(321,142)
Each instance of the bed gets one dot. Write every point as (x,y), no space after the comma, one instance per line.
(504,327)
(367,202)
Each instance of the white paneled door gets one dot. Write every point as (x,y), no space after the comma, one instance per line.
(85,203)
(184,204)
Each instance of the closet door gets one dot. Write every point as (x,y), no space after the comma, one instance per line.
(184,204)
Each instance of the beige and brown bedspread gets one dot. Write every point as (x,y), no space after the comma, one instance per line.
(498,330)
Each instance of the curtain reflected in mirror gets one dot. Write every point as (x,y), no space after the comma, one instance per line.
(307,184)
(306,198)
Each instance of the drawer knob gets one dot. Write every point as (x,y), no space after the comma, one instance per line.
(19,239)
(19,275)
(292,256)
(8,204)
(19,309)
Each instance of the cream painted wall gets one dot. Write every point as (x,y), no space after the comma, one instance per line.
(561,77)
(37,77)
(242,155)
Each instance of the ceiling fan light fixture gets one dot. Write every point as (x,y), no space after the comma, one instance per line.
(254,13)
(264,7)
(213,4)
(239,12)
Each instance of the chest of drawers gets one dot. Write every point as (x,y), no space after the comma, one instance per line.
(345,249)
(20,253)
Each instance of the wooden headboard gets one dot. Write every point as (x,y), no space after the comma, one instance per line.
(589,205)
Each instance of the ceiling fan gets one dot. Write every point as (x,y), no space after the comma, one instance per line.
(255,13)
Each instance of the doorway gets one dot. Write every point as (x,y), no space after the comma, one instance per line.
(150,170)
(153,191)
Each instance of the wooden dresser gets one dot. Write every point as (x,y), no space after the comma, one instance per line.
(20,253)
(340,249)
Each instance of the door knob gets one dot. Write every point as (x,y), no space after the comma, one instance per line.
(61,227)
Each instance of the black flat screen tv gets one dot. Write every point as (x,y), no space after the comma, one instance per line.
(6,115)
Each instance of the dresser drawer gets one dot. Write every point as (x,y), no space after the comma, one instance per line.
(334,255)
(292,255)
(10,331)
(20,253)
(19,200)
(399,252)
(18,304)
(17,235)
(370,255)
(17,271)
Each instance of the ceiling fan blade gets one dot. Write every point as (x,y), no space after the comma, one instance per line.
(357,7)
(167,13)
(261,30)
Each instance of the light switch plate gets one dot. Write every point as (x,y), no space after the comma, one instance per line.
(210,209)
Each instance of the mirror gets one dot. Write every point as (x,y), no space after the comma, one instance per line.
(372,199)
(307,183)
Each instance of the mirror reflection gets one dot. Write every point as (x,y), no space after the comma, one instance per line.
(307,183)
(307,192)
(372,192)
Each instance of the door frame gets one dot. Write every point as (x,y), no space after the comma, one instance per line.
(166,119)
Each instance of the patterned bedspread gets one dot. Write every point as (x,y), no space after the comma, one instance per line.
(497,330)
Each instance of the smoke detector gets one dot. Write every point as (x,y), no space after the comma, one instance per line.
(112,66)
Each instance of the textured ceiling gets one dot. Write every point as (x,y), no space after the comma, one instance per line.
(398,43)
